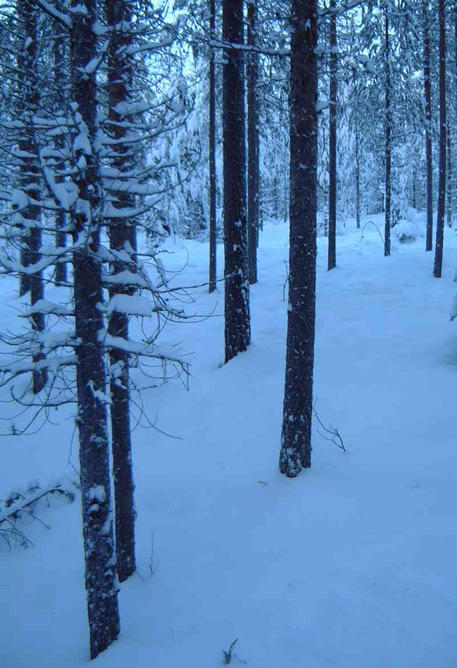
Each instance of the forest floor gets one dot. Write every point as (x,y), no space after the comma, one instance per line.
(350,565)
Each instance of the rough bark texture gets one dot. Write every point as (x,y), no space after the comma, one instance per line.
(122,238)
(388,135)
(428,126)
(61,277)
(449,183)
(99,550)
(438,264)
(298,397)
(358,204)
(237,318)
(253,144)
(331,261)
(212,155)
(29,178)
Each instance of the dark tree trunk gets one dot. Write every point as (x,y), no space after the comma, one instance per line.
(414,194)
(30,180)
(122,238)
(27,95)
(358,206)
(388,135)
(237,318)
(298,397)
(91,377)
(438,264)
(212,154)
(61,277)
(331,264)
(449,178)
(428,126)
(455,54)
(253,144)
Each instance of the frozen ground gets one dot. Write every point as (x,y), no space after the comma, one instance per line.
(351,565)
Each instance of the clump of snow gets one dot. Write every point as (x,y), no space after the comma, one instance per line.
(407,231)
(129,304)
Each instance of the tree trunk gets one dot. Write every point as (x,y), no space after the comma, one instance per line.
(298,396)
(449,178)
(331,264)
(30,222)
(212,154)
(428,126)
(253,144)
(414,186)
(99,550)
(61,277)
(358,206)
(388,135)
(438,264)
(122,238)
(237,318)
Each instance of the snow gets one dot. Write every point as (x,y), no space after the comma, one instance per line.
(351,565)
(97,493)
(131,304)
(82,143)
(19,199)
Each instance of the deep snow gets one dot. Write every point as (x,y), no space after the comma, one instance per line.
(351,565)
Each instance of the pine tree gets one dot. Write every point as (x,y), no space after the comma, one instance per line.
(60,80)
(298,397)
(237,318)
(332,139)
(212,154)
(253,141)
(98,535)
(428,124)
(122,235)
(438,264)
(387,132)
(28,217)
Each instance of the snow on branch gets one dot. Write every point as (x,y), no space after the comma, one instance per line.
(25,504)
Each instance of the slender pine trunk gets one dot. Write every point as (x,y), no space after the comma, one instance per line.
(428,125)
(237,318)
(449,183)
(331,260)
(438,264)
(29,181)
(212,154)
(61,277)
(99,549)
(388,134)
(301,313)
(122,239)
(253,143)
(358,206)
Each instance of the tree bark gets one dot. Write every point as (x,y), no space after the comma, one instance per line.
(122,238)
(61,277)
(331,262)
(253,144)
(298,396)
(237,318)
(449,183)
(358,206)
(98,535)
(212,154)
(29,178)
(438,264)
(388,134)
(428,126)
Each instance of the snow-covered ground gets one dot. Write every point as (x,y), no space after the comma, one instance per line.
(350,565)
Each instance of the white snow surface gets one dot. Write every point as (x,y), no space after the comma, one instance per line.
(350,565)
